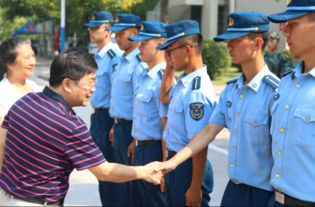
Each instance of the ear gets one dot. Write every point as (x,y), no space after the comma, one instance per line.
(259,43)
(67,85)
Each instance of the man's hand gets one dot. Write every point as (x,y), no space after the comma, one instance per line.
(169,63)
(152,173)
(193,196)
(111,136)
(131,151)
(167,166)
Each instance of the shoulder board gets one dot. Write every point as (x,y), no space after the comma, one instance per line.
(272,81)
(138,58)
(196,83)
(286,73)
(233,80)
(111,53)
(161,73)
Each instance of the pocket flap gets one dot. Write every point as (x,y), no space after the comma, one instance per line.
(305,114)
(257,119)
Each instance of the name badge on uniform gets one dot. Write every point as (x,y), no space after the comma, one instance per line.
(229,104)
(196,111)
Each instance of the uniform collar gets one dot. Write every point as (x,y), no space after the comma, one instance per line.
(131,55)
(298,71)
(152,73)
(255,83)
(186,79)
(104,49)
(52,94)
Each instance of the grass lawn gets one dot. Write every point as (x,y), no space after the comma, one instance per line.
(231,72)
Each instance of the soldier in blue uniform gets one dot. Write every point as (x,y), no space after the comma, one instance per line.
(191,101)
(243,108)
(125,79)
(149,114)
(101,122)
(293,114)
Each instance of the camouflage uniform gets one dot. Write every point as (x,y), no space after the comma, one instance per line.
(278,63)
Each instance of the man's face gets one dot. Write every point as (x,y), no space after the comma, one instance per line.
(148,50)
(81,91)
(300,37)
(122,38)
(178,55)
(98,34)
(241,49)
(272,44)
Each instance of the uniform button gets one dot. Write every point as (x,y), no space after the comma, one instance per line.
(254,123)
(279,153)
(231,165)
(233,149)
(297,85)
(238,113)
(241,96)
(286,107)
(235,131)
(282,130)
(307,118)
(277,176)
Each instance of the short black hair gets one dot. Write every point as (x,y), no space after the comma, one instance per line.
(193,40)
(73,64)
(8,53)
(264,35)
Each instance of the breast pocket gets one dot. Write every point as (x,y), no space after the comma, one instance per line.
(304,123)
(256,129)
(146,102)
(126,83)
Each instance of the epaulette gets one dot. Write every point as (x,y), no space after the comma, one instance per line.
(111,53)
(161,73)
(138,58)
(233,80)
(196,83)
(272,81)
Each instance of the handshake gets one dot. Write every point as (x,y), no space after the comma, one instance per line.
(154,172)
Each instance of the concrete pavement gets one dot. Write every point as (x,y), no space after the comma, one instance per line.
(83,189)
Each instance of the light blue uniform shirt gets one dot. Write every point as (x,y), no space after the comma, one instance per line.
(192,102)
(244,110)
(125,79)
(148,109)
(293,136)
(104,59)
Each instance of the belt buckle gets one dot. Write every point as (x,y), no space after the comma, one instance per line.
(137,143)
(279,197)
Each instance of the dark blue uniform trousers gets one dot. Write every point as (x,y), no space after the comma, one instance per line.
(245,195)
(178,181)
(122,139)
(149,194)
(101,124)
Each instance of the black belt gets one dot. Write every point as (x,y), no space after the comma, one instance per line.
(122,121)
(101,110)
(148,142)
(288,200)
(33,200)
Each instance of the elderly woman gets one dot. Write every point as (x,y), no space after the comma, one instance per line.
(17,63)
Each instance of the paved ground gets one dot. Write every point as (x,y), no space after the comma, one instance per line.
(83,185)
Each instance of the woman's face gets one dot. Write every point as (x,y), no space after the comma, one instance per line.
(24,64)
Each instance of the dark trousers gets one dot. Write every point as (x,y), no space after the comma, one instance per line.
(101,124)
(245,195)
(149,194)
(122,139)
(178,181)
(291,202)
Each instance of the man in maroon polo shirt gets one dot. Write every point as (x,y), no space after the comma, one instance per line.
(42,140)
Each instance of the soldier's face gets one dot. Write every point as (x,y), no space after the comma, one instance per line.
(241,49)
(300,37)
(148,50)
(178,55)
(122,38)
(98,34)
(272,44)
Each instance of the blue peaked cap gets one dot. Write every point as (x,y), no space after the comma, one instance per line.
(96,19)
(125,21)
(179,30)
(295,9)
(150,30)
(243,23)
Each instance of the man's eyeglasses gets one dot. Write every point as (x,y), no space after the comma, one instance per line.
(168,51)
(87,86)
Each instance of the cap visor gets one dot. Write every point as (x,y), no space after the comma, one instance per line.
(166,44)
(286,16)
(229,36)
(139,38)
(91,25)
(117,28)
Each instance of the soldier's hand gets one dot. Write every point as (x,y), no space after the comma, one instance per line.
(152,173)
(111,136)
(193,196)
(131,151)
(169,63)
